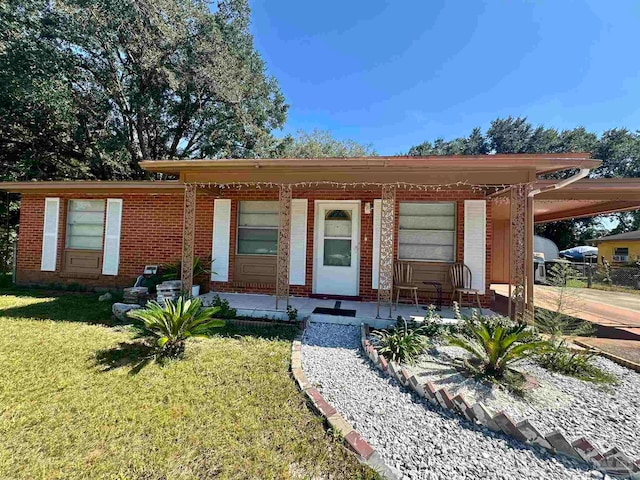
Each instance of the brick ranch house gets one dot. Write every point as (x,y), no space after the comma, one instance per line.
(301,227)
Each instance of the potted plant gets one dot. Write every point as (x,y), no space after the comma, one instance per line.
(173,271)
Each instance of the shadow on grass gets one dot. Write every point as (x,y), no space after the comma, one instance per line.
(267,332)
(61,307)
(133,355)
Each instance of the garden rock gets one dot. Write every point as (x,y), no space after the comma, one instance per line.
(417,439)
(105,297)
(120,310)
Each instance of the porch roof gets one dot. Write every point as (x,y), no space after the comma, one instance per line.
(431,170)
(584,198)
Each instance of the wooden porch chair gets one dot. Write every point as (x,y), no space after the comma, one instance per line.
(403,281)
(460,276)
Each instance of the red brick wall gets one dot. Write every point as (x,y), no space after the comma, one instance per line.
(152,233)
(366,233)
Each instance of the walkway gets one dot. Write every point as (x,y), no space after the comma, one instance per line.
(411,436)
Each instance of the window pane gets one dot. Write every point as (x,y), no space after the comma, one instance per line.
(85,243)
(427,231)
(424,252)
(337,253)
(85,224)
(337,224)
(85,230)
(258,214)
(257,241)
(430,237)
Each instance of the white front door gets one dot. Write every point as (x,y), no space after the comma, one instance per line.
(337,248)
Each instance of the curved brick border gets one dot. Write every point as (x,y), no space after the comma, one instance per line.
(614,358)
(352,439)
(613,461)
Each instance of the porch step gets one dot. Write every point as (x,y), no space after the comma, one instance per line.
(319,296)
(355,321)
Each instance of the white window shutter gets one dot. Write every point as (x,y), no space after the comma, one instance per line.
(112,229)
(221,239)
(377,223)
(298,242)
(475,241)
(50,234)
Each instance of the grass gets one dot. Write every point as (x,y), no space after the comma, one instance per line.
(74,402)
(579,283)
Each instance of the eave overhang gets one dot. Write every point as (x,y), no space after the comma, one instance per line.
(431,170)
(70,186)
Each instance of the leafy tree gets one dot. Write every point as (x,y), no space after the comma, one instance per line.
(618,148)
(89,88)
(318,144)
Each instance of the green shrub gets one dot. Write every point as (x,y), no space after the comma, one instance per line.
(292,313)
(576,364)
(494,343)
(171,324)
(224,310)
(402,343)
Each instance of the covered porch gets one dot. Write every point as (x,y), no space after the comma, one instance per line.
(262,306)
(489,178)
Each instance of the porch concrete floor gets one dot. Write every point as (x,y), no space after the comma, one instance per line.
(264,306)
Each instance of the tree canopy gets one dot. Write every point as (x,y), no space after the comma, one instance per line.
(618,148)
(320,143)
(89,88)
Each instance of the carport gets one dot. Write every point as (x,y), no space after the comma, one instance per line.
(584,198)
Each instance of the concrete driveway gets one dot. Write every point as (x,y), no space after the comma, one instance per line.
(618,310)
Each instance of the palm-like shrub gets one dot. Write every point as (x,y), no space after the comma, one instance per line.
(562,359)
(495,343)
(172,323)
(402,343)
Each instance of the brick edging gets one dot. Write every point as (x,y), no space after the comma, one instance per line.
(613,461)
(614,358)
(352,439)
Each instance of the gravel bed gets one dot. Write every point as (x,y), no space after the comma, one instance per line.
(416,439)
(606,414)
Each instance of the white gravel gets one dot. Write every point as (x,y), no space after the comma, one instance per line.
(605,414)
(414,438)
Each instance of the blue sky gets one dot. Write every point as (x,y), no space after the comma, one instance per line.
(396,73)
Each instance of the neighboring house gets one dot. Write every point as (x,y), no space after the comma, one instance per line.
(620,248)
(327,226)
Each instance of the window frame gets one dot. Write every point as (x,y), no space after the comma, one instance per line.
(238,227)
(67,230)
(455,232)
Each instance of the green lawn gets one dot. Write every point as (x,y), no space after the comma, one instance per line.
(74,403)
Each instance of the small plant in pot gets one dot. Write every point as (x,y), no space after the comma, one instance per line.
(173,323)
(173,271)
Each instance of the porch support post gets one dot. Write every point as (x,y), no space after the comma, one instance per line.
(387,227)
(530,271)
(284,239)
(188,237)
(519,245)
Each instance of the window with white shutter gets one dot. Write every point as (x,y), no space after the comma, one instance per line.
(111,254)
(50,234)
(475,242)
(298,242)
